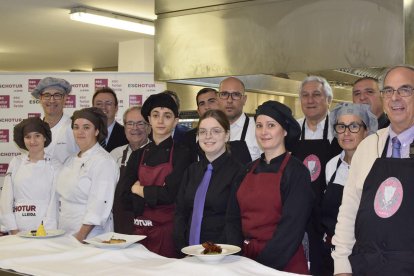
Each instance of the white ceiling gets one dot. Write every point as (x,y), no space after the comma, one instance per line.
(38,36)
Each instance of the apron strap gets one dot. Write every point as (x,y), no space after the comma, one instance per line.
(325,129)
(245,126)
(384,152)
(334,174)
(124,156)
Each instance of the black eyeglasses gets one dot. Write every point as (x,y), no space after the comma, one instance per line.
(353,127)
(224,95)
(403,91)
(48,96)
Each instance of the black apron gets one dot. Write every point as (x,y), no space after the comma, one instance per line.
(331,202)
(315,154)
(122,218)
(384,225)
(238,148)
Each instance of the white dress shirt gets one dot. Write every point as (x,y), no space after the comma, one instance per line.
(236,130)
(341,173)
(318,133)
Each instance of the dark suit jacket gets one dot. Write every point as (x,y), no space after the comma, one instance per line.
(179,133)
(117,138)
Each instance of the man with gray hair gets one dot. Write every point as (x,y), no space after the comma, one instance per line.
(52,93)
(366,91)
(374,233)
(315,148)
(136,132)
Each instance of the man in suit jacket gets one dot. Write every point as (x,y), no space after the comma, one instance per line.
(106,100)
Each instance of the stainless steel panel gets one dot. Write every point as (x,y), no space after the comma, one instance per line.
(270,37)
(260,88)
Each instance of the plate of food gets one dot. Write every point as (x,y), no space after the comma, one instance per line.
(36,235)
(210,252)
(114,240)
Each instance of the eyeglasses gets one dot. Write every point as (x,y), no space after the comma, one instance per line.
(48,96)
(131,124)
(202,132)
(100,104)
(403,91)
(353,127)
(224,95)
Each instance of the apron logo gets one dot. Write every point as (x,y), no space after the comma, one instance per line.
(313,164)
(388,198)
(25,210)
(143,222)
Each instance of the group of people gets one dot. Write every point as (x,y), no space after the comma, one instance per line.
(301,196)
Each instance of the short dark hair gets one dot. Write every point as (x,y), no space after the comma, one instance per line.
(204,91)
(105,90)
(365,78)
(174,95)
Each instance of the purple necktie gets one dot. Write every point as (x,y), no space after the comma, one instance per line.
(198,207)
(396,148)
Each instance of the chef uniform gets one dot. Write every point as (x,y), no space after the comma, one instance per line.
(27,196)
(273,203)
(86,184)
(159,168)
(63,144)
(86,187)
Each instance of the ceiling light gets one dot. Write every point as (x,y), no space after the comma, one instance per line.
(109,19)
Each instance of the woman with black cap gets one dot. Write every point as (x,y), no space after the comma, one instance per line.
(86,184)
(153,176)
(270,207)
(27,195)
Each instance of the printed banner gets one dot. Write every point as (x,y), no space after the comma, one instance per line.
(16,102)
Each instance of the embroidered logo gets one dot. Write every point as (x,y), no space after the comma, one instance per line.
(388,198)
(313,164)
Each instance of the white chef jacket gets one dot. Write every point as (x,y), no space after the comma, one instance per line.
(28,198)
(85,190)
(63,143)
(236,130)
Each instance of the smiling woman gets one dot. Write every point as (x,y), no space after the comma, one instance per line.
(271,232)
(86,185)
(206,186)
(29,185)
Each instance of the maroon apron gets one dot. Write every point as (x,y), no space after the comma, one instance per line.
(157,222)
(261,210)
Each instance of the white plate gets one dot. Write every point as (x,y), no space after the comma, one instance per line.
(98,241)
(49,234)
(197,251)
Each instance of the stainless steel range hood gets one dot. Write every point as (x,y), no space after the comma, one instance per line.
(200,41)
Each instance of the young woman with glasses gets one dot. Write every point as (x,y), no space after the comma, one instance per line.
(201,207)
(351,124)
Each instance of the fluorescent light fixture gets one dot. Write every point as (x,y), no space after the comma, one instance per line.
(108,19)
